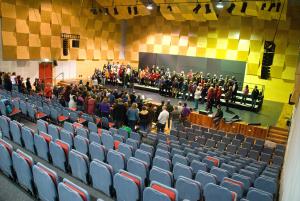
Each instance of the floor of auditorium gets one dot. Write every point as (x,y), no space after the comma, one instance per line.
(267,116)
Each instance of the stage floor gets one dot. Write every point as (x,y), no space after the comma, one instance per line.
(268,116)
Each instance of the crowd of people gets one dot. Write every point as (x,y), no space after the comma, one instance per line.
(120,106)
(188,86)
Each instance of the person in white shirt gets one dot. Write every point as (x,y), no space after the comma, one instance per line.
(162,119)
(180,107)
(197,97)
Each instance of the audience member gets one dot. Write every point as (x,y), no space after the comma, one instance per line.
(162,119)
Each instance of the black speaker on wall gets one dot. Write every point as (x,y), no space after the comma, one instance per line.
(267,61)
(75,43)
(65,47)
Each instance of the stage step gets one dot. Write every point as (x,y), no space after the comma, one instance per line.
(278,135)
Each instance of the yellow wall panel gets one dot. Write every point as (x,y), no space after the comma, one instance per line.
(211,43)
(252,68)
(221,54)
(233,44)
(22,52)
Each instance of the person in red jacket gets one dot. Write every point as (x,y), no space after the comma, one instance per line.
(218,95)
(210,98)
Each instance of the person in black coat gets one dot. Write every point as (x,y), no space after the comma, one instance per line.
(254,96)
(7,83)
(28,85)
(119,113)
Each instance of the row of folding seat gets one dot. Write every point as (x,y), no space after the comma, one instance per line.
(37,178)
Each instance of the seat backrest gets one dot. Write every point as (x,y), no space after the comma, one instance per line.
(230,168)
(123,132)
(53,130)
(28,136)
(213,192)
(192,156)
(234,186)
(59,151)
(82,132)
(69,191)
(81,144)
(79,165)
(163,153)
(92,127)
(4,126)
(126,149)
(95,137)
(163,146)
(137,167)
(205,178)
(101,176)
(258,195)
(177,151)
(220,173)
(253,154)
(42,126)
(69,127)
(97,151)
(210,143)
(278,160)
(231,148)
(179,159)
(147,148)
(211,161)
(267,184)
(107,140)
(188,189)
(133,143)
(249,174)
(162,163)
(5,158)
(116,160)
(41,143)
(22,164)
(182,170)
(128,186)
(168,191)
(151,194)
(244,179)
(46,181)
(162,176)
(15,130)
(67,137)
(143,155)
(197,165)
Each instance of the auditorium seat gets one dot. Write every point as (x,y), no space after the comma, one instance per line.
(82,132)
(41,143)
(191,157)
(15,130)
(211,161)
(182,170)
(267,184)
(94,137)
(197,165)
(67,137)
(117,137)
(277,160)
(123,132)
(6,164)
(128,186)
(46,181)
(97,151)
(69,127)
(162,153)
(230,168)
(243,152)
(92,127)
(133,143)
(23,108)
(162,146)
(69,191)
(147,148)
(231,149)
(220,173)
(234,186)
(81,144)
(143,155)
(53,130)
(59,151)
(22,164)
(179,159)
(213,192)
(188,189)
(126,149)
(42,126)
(244,179)
(253,154)
(160,192)
(79,164)
(107,141)
(249,174)
(162,176)
(116,160)
(4,125)
(162,163)
(138,167)
(205,178)
(177,151)
(102,177)
(258,195)
(28,138)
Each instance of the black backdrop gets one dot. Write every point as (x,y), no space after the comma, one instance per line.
(197,64)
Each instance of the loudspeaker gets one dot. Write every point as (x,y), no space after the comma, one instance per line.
(269,51)
(265,72)
(65,47)
(54,62)
(75,43)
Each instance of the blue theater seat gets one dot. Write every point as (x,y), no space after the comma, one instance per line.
(68,191)
(15,130)
(28,138)
(196,165)
(128,186)
(125,149)
(162,153)
(6,165)
(160,192)
(42,126)
(107,141)
(41,143)
(138,167)
(211,162)
(95,137)
(67,137)
(188,189)
(59,151)
(69,127)
(79,164)
(179,159)
(4,126)
(267,184)
(162,163)
(97,151)
(244,179)
(258,195)
(205,178)
(234,186)
(143,155)
(116,160)
(81,144)
(102,177)
(182,170)
(82,132)
(162,176)
(133,143)
(147,148)
(213,192)
(46,181)
(220,173)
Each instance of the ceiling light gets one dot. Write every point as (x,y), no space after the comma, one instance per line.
(170,8)
(220,5)
(150,6)
(230,8)
(207,8)
(197,8)
(244,7)
(135,10)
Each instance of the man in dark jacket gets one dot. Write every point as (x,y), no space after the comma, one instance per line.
(170,110)
(119,113)
(254,96)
